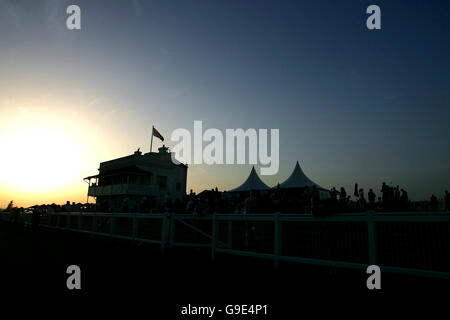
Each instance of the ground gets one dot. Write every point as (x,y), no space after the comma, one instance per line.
(35,262)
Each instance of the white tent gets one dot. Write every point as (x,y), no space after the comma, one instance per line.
(298,179)
(253,182)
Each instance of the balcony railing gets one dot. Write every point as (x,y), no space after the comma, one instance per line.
(118,189)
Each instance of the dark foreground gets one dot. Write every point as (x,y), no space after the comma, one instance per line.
(35,263)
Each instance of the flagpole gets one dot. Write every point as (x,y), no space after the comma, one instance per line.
(151,141)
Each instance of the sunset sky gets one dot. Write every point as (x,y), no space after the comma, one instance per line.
(352,105)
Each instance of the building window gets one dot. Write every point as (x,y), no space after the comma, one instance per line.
(161,181)
(144,180)
(133,179)
(116,179)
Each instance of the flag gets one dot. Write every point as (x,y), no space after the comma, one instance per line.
(157,134)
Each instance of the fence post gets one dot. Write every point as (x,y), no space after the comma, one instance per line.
(112,226)
(372,238)
(134,227)
(276,243)
(79,221)
(94,223)
(230,234)
(58,220)
(68,218)
(213,236)
(164,232)
(172,230)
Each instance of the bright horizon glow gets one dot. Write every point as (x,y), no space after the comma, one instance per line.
(44,157)
(48,148)
(49,152)
(352,105)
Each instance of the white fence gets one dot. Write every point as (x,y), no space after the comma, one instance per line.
(161,229)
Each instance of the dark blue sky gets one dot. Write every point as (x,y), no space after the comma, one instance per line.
(352,105)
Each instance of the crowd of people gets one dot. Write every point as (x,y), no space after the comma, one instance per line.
(308,200)
(37,211)
(391,199)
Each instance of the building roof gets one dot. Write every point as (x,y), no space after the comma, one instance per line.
(253,182)
(298,179)
(138,162)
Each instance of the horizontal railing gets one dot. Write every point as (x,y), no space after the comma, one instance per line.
(123,188)
(216,232)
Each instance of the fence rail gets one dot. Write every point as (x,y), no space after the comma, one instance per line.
(380,237)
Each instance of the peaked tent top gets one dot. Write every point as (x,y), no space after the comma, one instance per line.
(298,179)
(253,182)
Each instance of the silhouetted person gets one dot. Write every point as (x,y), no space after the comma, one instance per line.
(66,207)
(35,218)
(385,195)
(204,207)
(315,201)
(332,202)
(362,199)
(251,203)
(355,191)
(343,195)
(397,194)
(190,205)
(433,203)
(404,199)
(372,196)
(333,193)
(15,215)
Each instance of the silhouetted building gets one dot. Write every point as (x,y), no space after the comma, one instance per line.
(253,182)
(295,182)
(131,182)
(298,181)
